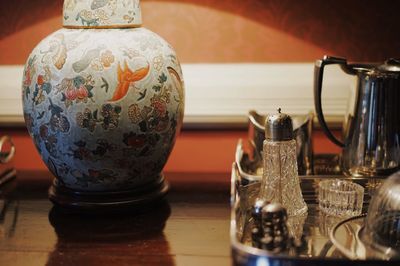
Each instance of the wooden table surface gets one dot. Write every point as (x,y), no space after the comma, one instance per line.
(190,228)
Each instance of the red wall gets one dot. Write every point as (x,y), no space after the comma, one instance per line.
(232,31)
(201,151)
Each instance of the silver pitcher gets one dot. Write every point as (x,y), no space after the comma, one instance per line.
(371,134)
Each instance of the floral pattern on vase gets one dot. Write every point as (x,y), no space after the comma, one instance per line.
(103,106)
(102,13)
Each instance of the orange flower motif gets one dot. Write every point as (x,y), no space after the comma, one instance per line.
(160,107)
(125,77)
(107,58)
(134,140)
(40,80)
(82,92)
(28,79)
(71,94)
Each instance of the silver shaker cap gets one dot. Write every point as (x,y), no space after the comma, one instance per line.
(278,127)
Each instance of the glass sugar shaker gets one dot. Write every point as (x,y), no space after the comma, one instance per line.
(280,182)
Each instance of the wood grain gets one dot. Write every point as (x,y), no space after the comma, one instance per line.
(190,228)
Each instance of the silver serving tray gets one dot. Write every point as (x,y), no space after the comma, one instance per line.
(316,226)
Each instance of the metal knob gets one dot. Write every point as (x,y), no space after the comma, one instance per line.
(279,127)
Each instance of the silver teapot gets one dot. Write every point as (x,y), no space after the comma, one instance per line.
(371,133)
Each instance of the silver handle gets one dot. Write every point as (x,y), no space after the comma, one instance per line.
(6,155)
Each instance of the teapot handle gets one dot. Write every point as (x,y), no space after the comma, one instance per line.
(318,76)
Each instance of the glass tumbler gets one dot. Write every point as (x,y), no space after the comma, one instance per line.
(340,198)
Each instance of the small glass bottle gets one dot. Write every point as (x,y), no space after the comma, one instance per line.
(280,182)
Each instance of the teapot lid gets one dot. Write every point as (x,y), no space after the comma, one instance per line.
(391,65)
(101,14)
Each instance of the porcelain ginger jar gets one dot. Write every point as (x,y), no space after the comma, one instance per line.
(103,101)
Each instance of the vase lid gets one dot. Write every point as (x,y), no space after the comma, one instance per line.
(102,14)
